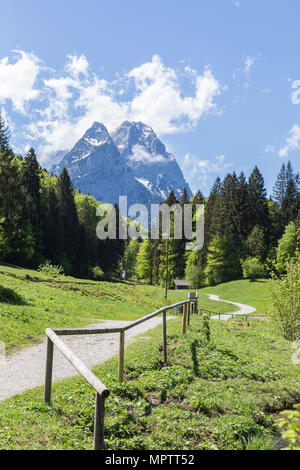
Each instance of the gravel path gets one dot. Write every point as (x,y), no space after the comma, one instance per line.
(25,369)
(244,309)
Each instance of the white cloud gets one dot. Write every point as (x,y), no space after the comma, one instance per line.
(77,65)
(265,91)
(7,120)
(193,164)
(248,64)
(292,142)
(159,101)
(198,171)
(270,149)
(17,79)
(139,154)
(236,3)
(70,101)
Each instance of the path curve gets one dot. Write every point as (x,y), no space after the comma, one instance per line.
(244,309)
(25,369)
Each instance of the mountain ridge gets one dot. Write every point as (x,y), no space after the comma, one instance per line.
(131,161)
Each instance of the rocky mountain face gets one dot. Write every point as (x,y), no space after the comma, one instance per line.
(131,162)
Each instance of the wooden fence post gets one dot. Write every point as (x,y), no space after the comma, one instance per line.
(99,423)
(48,373)
(165,337)
(184,319)
(189,313)
(121,356)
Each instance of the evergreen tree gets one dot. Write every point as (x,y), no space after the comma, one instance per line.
(4,136)
(286,194)
(16,238)
(290,203)
(86,208)
(184,199)
(179,245)
(198,198)
(52,230)
(130,258)
(213,220)
(258,211)
(30,177)
(230,210)
(279,188)
(156,248)
(223,262)
(255,244)
(30,180)
(110,252)
(145,261)
(70,224)
(171,199)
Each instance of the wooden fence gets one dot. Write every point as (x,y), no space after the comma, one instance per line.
(102,392)
(189,306)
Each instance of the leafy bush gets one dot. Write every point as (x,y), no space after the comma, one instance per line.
(289,425)
(97,273)
(286,247)
(253,269)
(285,306)
(195,274)
(50,269)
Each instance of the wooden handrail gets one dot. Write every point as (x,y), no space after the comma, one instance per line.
(102,391)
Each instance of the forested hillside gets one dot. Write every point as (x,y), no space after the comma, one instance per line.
(247,233)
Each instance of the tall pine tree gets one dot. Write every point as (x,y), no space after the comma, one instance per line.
(71,231)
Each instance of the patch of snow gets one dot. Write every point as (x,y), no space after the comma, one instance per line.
(83,157)
(95,142)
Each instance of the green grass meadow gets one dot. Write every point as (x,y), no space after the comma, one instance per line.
(222,394)
(31,302)
(225,394)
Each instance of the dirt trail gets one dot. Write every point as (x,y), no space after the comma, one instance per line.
(25,369)
(244,309)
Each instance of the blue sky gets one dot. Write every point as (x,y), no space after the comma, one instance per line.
(214,78)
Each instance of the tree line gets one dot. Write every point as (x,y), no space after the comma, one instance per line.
(42,217)
(246,234)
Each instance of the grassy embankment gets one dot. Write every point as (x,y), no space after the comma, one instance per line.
(218,395)
(30,302)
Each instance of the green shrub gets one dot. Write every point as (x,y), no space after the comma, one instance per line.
(286,247)
(195,274)
(50,269)
(97,273)
(253,269)
(285,301)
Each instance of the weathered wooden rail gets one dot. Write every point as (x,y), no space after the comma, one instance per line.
(102,392)
(190,307)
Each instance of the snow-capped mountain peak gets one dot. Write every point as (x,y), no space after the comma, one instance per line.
(137,133)
(131,162)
